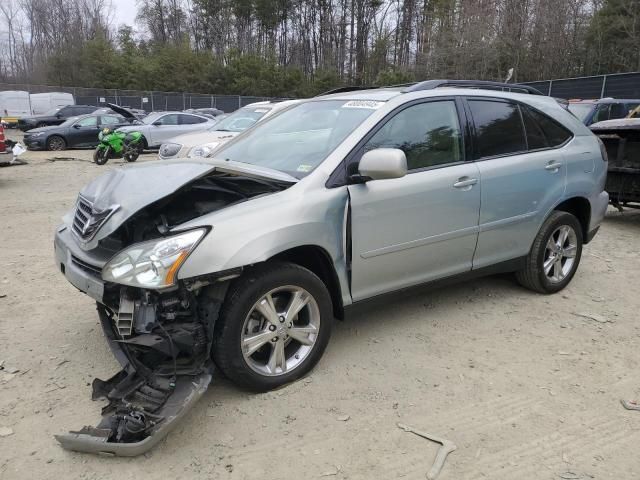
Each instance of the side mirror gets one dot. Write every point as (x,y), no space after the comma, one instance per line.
(76,125)
(58,115)
(382,164)
(156,124)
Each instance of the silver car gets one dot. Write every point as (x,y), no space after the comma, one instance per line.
(245,260)
(204,143)
(158,127)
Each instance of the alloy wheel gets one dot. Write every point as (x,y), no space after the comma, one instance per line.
(280,330)
(560,253)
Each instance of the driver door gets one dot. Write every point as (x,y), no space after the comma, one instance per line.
(85,132)
(424,226)
(164,128)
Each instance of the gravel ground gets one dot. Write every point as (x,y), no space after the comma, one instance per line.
(526,385)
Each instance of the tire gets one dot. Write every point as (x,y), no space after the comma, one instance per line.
(56,143)
(142,146)
(101,156)
(131,156)
(239,319)
(561,261)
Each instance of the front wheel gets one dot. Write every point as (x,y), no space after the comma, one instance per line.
(554,256)
(101,156)
(274,326)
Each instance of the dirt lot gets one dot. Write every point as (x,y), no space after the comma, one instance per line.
(525,387)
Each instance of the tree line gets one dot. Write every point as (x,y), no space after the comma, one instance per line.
(302,47)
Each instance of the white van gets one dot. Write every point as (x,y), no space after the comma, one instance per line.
(13,105)
(43,102)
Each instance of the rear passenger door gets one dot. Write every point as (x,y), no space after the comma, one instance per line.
(423,226)
(167,126)
(523,175)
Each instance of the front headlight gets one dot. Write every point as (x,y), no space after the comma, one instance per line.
(37,134)
(169,149)
(152,264)
(203,150)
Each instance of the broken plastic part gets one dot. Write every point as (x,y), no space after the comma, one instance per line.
(99,440)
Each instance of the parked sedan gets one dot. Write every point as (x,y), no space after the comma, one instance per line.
(55,116)
(75,132)
(202,144)
(157,127)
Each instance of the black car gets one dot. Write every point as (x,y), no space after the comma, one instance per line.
(54,116)
(75,132)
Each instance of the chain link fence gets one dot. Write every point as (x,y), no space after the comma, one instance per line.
(145,100)
(619,85)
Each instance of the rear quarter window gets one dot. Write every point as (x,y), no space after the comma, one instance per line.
(555,134)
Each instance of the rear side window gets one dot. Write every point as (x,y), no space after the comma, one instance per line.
(191,120)
(554,133)
(499,129)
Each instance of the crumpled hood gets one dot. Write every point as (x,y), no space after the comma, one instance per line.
(128,190)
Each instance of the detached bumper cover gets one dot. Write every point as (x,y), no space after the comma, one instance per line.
(186,394)
(128,426)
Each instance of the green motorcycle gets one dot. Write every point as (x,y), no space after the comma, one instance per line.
(117,145)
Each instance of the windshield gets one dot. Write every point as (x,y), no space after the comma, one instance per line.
(300,138)
(152,117)
(240,120)
(581,110)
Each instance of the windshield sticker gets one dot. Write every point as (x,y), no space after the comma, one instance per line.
(370,104)
(304,168)
(261,110)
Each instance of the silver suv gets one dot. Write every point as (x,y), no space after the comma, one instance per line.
(246,259)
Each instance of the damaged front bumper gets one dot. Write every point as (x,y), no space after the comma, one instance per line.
(163,343)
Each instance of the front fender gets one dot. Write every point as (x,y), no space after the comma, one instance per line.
(258,230)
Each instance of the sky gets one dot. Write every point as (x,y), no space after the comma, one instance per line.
(124,12)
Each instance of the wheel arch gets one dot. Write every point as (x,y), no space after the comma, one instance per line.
(56,135)
(317,260)
(580,208)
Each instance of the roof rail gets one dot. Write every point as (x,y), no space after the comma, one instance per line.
(344,89)
(482,84)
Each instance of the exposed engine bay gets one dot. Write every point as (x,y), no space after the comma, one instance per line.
(162,338)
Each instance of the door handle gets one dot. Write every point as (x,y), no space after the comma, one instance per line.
(553,166)
(464,182)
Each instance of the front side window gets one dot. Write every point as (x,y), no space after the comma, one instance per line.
(499,129)
(111,120)
(88,122)
(428,134)
(602,113)
(171,119)
(298,139)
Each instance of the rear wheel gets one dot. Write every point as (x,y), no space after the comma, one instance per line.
(132,155)
(56,143)
(555,254)
(274,326)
